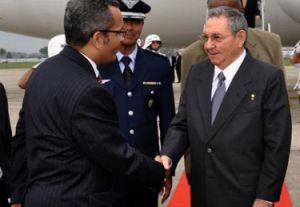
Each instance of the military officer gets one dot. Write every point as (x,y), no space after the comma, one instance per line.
(140,83)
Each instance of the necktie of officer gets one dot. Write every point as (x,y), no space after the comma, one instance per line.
(218,97)
(127,71)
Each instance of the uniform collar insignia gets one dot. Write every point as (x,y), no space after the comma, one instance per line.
(130,3)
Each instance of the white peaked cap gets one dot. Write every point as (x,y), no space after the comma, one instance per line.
(56,44)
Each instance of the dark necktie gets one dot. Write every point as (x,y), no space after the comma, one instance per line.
(218,97)
(127,71)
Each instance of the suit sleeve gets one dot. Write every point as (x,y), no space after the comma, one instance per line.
(6,129)
(277,138)
(96,129)
(176,140)
(19,163)
(167,106)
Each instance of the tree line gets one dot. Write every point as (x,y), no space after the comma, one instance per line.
(5,54)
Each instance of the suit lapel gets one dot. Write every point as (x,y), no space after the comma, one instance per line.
(204,95)
(234,95)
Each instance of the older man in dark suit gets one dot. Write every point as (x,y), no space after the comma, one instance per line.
(5,137)
(234,115)
(74,147)
(265,46)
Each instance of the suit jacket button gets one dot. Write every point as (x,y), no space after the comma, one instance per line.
(209,150)
(131,131)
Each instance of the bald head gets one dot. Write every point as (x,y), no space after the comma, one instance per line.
(230,3)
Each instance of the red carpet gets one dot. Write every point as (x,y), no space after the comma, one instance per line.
(181,197)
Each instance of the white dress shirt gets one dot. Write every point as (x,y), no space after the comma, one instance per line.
(132,56)
(93,65)
(229,73)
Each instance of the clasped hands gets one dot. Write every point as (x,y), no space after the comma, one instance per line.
(166,189)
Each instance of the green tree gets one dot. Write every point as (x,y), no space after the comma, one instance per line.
(2,52)
(9,55)
(44,50)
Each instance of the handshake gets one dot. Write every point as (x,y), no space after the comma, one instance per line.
(166,189)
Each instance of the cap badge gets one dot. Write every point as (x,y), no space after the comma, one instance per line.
(130,3)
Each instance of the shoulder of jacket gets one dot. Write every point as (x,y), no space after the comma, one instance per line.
(263,34)
(158,55)
(193,47)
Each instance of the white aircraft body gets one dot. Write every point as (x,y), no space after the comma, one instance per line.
(178,22)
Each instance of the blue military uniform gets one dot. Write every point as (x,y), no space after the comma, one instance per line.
(150,96)
(141,86)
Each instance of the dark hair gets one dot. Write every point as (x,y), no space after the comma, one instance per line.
(236,19)
(84,17)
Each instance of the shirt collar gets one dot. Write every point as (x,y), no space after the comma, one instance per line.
(93,64)
(131,55)
(230,71)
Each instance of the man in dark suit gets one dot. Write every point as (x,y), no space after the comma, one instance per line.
(262,45)
(234,116)
(5,137)
(141,97)
(74,147)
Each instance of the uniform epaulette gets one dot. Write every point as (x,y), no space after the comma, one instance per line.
(157,53)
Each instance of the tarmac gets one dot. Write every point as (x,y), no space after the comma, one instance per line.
(10,77)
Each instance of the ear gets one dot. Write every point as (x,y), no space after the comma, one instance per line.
(98,40)
(241,37)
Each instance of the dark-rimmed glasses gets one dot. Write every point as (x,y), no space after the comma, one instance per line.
(120,33)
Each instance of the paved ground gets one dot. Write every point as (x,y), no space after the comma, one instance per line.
(15,95)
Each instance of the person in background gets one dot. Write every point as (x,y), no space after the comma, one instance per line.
(234,115)
(172,60)
(178,66)
(68,128)
(55,45)
(140,82)
(152,42)
(5,138)
(295,60)
(251,12)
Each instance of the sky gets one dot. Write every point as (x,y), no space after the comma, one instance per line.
(20,43)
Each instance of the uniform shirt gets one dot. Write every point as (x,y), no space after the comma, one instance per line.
(132,56)
(229,73)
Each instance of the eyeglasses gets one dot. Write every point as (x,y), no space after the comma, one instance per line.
(120,33)
(213,38)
